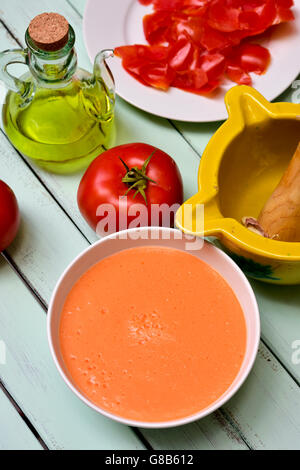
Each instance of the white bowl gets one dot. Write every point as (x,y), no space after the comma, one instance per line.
(174,239)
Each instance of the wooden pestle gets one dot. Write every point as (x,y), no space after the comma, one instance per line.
(280,217)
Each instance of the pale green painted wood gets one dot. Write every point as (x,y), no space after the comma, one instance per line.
(280,318)
(279,307)
(265,410)
(30,376)
(14,432)
(243,418)
(33,255)
(269,393)
(79,5)
(39,250)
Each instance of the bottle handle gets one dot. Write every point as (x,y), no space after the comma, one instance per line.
(14,56)
(102,71)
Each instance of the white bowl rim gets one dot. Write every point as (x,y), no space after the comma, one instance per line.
(159,424)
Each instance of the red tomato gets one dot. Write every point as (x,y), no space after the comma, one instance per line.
(9,216)
(170,5)
(103,187)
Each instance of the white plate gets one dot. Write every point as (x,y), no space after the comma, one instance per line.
(108,24)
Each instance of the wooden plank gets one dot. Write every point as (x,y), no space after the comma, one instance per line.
(207,434)
(280,319)
(14,432)
(31,378)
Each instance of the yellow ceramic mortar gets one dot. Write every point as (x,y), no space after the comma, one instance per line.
(240,168)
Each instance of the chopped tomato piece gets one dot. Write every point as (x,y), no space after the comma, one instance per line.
(192,81)
(253,58)
(194,43)
(284,3)
(212,39)
(155,26)
(170,5)
(249,20)
(222,17)
(147,64)
(181,55)
(210,87)
(139,51)
(213,65)
(187,27)
(157,75)
(283,15)
(238,75)
(195,3)
(265,15)
(195,7)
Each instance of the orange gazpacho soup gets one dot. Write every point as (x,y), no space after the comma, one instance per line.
(152,334)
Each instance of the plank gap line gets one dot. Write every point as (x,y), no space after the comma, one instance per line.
(184,138)
(74,8)
(23,416)
(11,33)
(233,424)
(265,343)
(25,280)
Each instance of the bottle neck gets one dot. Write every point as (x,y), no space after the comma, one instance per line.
(55,68)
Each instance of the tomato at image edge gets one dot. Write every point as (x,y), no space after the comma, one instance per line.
(9,216)
(103,184)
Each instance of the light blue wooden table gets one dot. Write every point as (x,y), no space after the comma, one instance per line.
(36,408)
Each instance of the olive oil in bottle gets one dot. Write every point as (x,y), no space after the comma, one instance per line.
(58,115)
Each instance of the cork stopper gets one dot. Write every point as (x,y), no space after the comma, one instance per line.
(49,31)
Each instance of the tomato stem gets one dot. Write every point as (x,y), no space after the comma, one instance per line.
(137,179)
